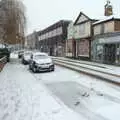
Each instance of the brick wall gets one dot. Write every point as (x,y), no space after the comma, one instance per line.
(83,48)
(117,25)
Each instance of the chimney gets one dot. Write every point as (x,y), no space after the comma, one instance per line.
(108,9)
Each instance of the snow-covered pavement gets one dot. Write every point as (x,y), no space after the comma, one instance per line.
(23,97)
(60,95)
(110,69)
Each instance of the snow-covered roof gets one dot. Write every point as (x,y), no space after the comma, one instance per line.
(40,53)
(106,18)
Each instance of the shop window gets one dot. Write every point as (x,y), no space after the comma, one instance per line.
(82,29)
(99,52)
(118,54)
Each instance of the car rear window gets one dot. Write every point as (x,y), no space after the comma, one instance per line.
(41,57)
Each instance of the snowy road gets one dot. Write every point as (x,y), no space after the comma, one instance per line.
(88,96)
(23,95)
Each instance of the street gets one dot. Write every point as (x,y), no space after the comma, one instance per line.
(86,95)
(60,64)
(62,94)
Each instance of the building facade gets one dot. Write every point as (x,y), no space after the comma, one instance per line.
(78,43)
(12,32)
(70,41)
(52,39)
(106,41)
(31,41)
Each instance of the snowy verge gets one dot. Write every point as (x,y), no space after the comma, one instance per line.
(89,71)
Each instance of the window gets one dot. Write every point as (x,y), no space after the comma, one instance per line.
(102,29)
(118,54)
(99,52)
(82,29)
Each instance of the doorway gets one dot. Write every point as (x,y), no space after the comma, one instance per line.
(51,51)
(109,53)
(74,48)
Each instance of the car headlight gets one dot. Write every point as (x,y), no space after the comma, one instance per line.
(36,64)
(52,62)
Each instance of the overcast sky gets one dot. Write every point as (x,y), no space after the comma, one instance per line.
(42,13)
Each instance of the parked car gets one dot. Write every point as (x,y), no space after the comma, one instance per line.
(20,53)
(5,52)
(26,57)
(41,62)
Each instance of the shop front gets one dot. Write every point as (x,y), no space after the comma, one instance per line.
(106,50)
(83,49)
(71,48)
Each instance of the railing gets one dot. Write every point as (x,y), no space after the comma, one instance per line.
(3,61)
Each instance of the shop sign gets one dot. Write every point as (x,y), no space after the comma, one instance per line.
(101,40)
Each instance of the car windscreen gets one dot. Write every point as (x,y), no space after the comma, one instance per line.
(27,54)
(41,57)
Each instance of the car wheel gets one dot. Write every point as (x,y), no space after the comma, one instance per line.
(34,69)
(23,61)
(29,67)
(51,68)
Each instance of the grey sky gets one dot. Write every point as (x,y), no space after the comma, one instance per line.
(42,13)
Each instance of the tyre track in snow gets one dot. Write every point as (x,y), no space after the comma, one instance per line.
(82,110)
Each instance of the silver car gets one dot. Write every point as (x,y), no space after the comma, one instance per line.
(26,57)
(41,62)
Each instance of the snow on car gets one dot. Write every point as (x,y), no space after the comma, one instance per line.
(41,62)
(20,53)
(26,57)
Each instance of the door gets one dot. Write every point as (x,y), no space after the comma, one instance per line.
(109,53)
(74,48)
(51,51)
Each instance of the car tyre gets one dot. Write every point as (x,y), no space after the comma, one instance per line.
(30,67)
(23,61)
(34,69)
(52,69)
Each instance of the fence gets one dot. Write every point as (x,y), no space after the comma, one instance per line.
(3,61)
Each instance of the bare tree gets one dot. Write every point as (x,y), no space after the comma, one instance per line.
(12,21)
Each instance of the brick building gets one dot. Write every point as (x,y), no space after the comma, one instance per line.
(78,43)
(31,41)
(52,39)
(106,41)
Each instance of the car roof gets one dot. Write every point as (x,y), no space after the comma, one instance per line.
(27,52)
(21,51)
(40,53)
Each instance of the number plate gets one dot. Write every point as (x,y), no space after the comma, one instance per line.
(45,66)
